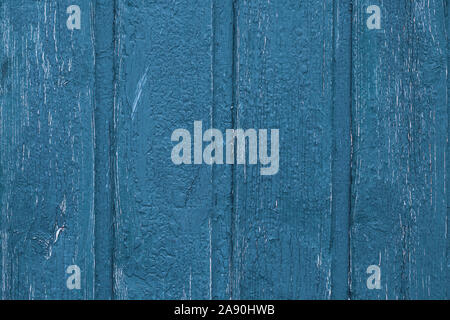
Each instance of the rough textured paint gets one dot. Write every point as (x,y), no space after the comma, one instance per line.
(400,125)
(47,150)
(447,158)
(280,240)
(86,176)
(164,212)
(104,137)
(281,228)
(341,173)
(222,176)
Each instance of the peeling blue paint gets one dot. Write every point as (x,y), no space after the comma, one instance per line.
(86,177)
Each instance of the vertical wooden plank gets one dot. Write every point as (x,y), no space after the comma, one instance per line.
(341,173)
(47,159)
(104,135)
(400,127)
(283,80)
(447,160)
(164,213)
(222,175)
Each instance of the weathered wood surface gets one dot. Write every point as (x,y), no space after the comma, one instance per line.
(400,125)
(86,176)
(447,158)
(282,224)
(172,228)
(104,139)
(47,150)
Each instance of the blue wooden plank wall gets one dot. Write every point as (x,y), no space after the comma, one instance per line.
(47,150)
(92,205)
(399,126)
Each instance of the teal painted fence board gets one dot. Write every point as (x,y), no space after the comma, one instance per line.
(104,17)
(163,212)
(282,223)
(47,150)
(400,125)
(447,160)
(223,50)
(87,178)
(342,147)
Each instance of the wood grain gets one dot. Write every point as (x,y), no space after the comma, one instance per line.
(47,150)
(400,126)
(286,78)
(163,212)
(86,176)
